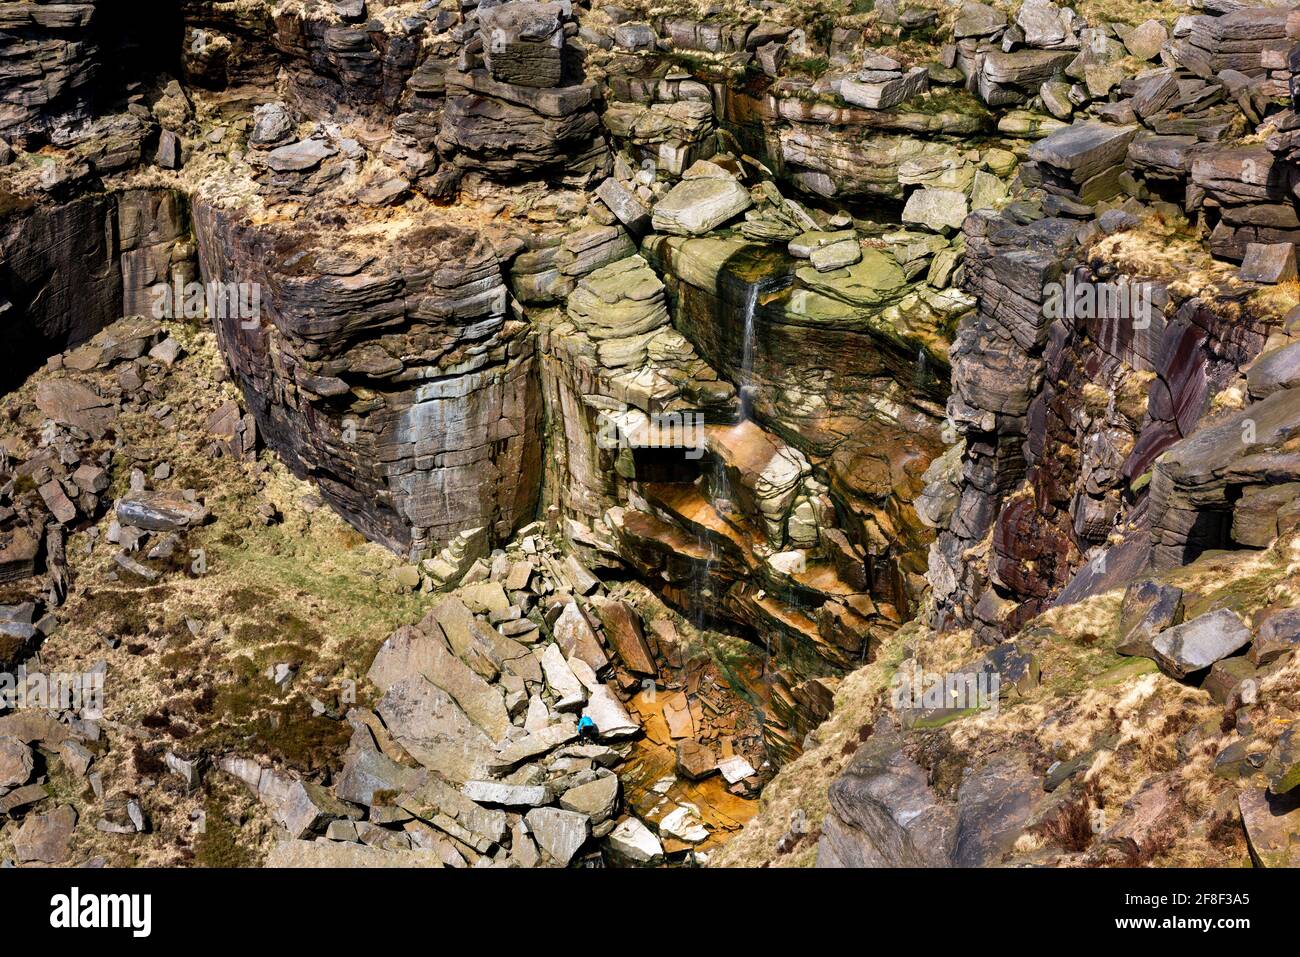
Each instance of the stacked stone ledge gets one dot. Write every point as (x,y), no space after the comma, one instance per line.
(411,450)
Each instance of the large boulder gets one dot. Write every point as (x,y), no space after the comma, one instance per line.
(623,629)
(608,713)
(883,90)
(1046,25)
(559,833)
(16,762)
(1272,827)
(71,403)
(46,838)
(942,210)
(596,799)
(1149,607)
(884,814)
(633,842)
(431,726)
(994,804)
(300,157)
(1197,644)
(695,206)
(523,42)
(978,20)
(161,511)
(412,651)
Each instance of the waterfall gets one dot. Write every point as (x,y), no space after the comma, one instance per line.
(717,489)
(746,385)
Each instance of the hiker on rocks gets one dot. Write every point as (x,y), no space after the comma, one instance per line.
(587,729)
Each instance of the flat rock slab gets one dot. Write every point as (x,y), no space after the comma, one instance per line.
(978,20)
(1145,40)
(677,715)
(464,635)
(32,726)
(610,716)
(509,795)
(1197,644)
(57,501)
(485,598)
(1023,68)
(1274,370)
(160,511)
(46,838)
(531,745)
(836,255)
(300,157)
(635,843)
(872,281)
(451,811)
(1269,263)
(301,807)
(597,799)
(431,726)
(937,209)
(411,651)
(1045,24)
(70,403)
(874,91)
(577,638)
(623,629)
(735,769)
(695,206)
(1148,608)
(304,854)
(366,771)
(564,684)
(1084,149)
(803,245)
(1272,827)
(684,824)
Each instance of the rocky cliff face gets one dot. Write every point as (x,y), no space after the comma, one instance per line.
(834,335)
(72,268)
(395,377)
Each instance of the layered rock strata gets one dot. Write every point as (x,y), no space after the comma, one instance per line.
(400,379)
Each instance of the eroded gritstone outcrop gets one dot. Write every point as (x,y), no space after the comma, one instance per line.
(395,375)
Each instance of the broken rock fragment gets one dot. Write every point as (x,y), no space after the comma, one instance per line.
(559,833)
(160,511)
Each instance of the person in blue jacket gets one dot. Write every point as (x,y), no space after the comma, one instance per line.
(587,729)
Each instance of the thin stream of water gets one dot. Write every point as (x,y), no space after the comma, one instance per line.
(747,354)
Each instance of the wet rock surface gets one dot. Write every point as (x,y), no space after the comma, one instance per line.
(675,359)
